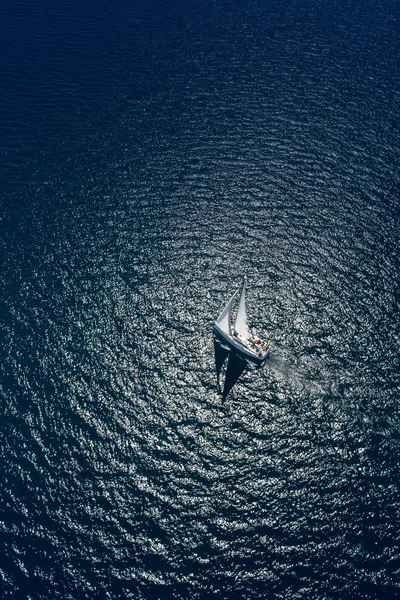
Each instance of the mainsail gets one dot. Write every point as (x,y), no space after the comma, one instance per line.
(241,319)
(224,319)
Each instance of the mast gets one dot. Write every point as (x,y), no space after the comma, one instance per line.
(241,317)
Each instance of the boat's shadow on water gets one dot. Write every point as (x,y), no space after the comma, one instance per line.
(234,369)
(236,366)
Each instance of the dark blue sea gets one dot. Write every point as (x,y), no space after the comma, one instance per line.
(152,153)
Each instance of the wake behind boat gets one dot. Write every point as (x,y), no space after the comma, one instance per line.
(237,336)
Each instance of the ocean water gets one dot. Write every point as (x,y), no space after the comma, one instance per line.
(152,153)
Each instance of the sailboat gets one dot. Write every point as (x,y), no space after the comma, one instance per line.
(236,335)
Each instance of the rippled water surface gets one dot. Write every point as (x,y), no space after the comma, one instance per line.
(153,153)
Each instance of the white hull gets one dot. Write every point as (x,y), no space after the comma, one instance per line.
(247,349)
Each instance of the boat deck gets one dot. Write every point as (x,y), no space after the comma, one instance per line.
(254,344)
